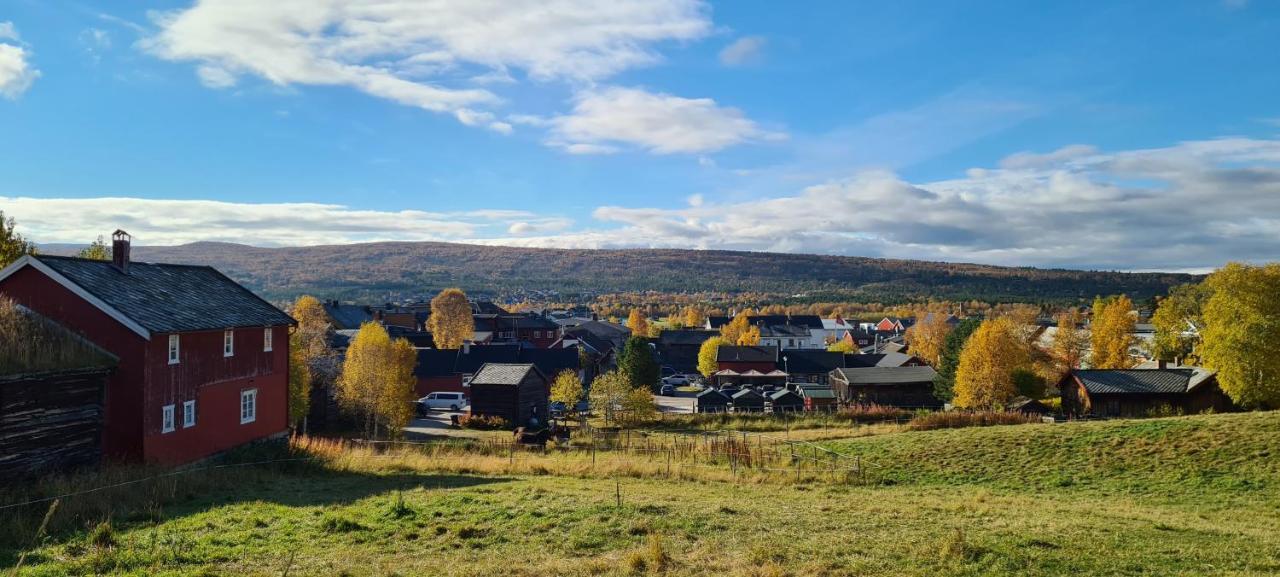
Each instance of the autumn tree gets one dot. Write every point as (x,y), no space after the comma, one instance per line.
(1111,333)
(451,323)
(993,362)
(614,395)
(928,337)
(637,363)
(749,337)
(707,356)
(1070,342)
(12,245)
(692,317)
(299,381)
(567,389)
(944,382)
(1241,335)
(97,250)
(377,381)
(1177,318)
(842,347)
(638,324)
(733,331)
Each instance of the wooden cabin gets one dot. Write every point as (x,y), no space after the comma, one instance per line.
(1142,392)
(817,397)
(748,401)
(905,386)
(712,401)
(52,391)
(785,401)
(518,393)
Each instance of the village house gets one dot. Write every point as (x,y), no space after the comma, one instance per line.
(678,348)
(907,387)
(811,366)
(203,362)
(447,370)
(1149,390)
(517,393)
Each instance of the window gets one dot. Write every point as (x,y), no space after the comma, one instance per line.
(188,414)
(267,340)
(166,419)
(248,406)
(228,343)
(173,349)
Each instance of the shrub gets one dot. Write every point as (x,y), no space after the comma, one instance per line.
(484,423)
(958,419)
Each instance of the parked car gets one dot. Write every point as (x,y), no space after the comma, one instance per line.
(442,401)
(676,380)
(667,390)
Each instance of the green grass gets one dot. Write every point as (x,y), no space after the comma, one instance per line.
(1182,496)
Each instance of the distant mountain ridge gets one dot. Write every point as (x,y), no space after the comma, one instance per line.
(370,271)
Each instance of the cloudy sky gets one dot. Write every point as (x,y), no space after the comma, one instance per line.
(1116,135)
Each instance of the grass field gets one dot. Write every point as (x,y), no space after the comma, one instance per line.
(1181,496)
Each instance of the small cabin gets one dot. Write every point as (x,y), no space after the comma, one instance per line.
(712,401)
(817,397)
(785,401)
(518,393)
(1144,391)
(748,401)
(896,386)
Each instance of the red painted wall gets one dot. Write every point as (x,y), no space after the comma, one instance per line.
(450,383)
(144,381)
(743,367)
(122,432)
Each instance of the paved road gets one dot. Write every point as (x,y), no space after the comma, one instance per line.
(435,424)
(675,404)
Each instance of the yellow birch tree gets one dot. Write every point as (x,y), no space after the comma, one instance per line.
(1111,333)
(451,323)
(927,337)
(707,356)
(1241,335)
(989,365)
(637,323)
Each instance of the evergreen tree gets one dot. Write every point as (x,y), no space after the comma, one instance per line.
(945,381)
(637,363)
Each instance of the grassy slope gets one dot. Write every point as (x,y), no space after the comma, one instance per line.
(1188,496)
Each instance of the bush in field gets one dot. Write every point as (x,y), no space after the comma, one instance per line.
(872,413)
(484,423)
(958,419)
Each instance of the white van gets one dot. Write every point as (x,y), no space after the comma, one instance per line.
(440,401)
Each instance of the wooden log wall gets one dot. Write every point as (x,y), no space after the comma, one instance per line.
(50,422)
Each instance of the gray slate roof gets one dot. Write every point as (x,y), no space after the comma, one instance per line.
(502,374)
(1139,381)
(169,298)
(732,353)
(887,375)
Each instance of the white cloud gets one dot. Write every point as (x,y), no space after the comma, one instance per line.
(1189,206)
(604,118)
(159,221)
(745,50)
(428,54)
(16,72)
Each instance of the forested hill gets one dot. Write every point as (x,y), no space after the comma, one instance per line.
(370,271)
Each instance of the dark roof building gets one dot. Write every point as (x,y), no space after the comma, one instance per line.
(712,401)
(908,387)
(346,316)
(812,365)
(746,354)
(1142,391)
(678,348)
(517,393)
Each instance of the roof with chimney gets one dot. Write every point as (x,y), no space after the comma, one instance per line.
(745,354)
(158,298)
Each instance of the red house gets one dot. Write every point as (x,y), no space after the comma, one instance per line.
(203,363)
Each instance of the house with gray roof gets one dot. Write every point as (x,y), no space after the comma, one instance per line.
(516,392)
(1150,389)
(907,387)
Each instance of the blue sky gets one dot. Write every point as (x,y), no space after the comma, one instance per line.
(1122,135)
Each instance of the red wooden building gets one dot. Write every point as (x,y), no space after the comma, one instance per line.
(203,362)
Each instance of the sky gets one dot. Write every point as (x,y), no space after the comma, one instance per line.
(1099,135)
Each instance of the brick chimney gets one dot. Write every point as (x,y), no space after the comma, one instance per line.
(120,250)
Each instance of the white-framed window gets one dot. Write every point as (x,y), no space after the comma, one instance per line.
(228,343)
(166,419)
(267,340)
(188,414)
(173,349)
(248,406)
(537,334)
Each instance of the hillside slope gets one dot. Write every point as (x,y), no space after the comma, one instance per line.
(373,270)
(1213,454)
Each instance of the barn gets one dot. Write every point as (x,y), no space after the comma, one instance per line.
(52,384)
(517,392)
(203,362)
(1142,392)
(904,386)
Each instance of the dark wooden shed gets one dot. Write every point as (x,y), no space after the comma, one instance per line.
(748,401)
(1142,392)
(52,392)
(897,386)
(712,401)
(785,401)
(518,393)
